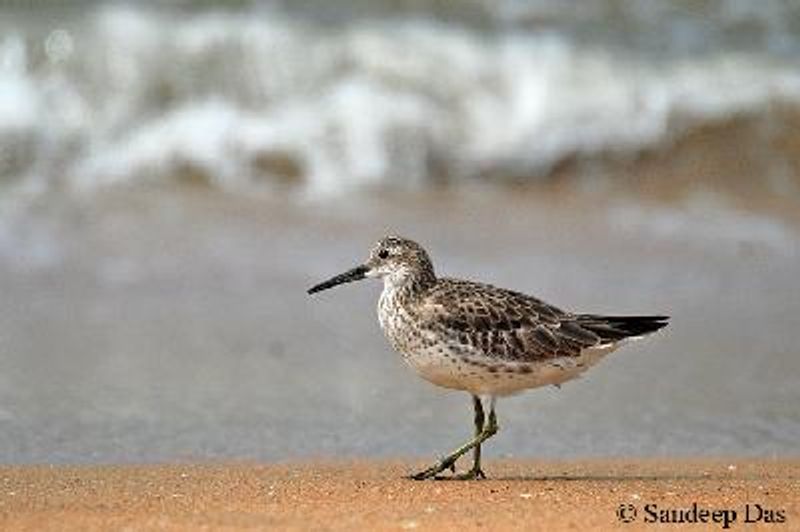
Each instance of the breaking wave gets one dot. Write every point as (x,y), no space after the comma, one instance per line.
(237,99)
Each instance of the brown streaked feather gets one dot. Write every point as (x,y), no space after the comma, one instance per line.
(503,323)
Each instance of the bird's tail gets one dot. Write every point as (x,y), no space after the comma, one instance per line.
(615,328)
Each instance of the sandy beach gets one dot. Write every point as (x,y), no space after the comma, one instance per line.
(373,495)
(142,342)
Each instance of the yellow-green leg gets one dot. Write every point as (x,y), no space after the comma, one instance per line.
(476,472)
(483,431)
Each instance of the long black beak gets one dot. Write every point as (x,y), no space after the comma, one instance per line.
(356,274)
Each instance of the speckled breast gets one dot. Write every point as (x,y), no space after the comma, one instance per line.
(397,324)
(422,349)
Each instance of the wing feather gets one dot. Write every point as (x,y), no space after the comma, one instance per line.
(504,323)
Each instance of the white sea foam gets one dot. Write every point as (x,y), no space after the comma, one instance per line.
(139,96)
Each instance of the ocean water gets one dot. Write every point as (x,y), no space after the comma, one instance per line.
(172,180)
(322,98)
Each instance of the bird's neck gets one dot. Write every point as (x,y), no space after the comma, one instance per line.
(408,286)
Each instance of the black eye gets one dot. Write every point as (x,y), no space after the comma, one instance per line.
(384,253)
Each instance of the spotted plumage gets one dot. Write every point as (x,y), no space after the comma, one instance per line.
(485,340)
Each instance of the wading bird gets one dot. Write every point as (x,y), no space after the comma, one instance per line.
(484,340)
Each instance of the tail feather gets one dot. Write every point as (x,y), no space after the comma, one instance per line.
(615,328)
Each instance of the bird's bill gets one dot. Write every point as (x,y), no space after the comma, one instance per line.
(356,274)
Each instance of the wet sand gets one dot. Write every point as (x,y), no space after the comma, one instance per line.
(154,327)
(372,495)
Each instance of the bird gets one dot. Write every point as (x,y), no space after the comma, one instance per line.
(474,337)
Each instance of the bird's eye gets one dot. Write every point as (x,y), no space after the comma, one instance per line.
(384,253)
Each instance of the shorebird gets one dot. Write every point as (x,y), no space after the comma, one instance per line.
(481,339)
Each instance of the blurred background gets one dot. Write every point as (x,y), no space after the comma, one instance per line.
(173,176)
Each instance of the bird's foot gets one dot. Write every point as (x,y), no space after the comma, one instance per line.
(448,462)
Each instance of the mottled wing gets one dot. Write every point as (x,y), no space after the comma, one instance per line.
(504,324)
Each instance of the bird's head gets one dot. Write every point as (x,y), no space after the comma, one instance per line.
(398,261)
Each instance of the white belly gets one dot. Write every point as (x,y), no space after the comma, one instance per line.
(481,375)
